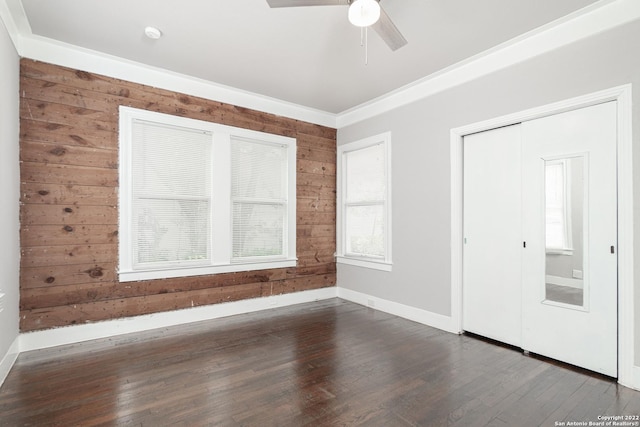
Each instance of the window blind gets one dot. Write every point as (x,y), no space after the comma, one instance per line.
(171,179)
(201,198)
(365,201)
(556,223)
(259,198)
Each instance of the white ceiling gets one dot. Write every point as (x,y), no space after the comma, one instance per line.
(309,56)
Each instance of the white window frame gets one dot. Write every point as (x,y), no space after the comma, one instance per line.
(220,259)
(383,263)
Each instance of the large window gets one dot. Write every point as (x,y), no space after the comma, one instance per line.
(364,203)
(202,198)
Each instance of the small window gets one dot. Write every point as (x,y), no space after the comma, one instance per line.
(201,198)
(364,200)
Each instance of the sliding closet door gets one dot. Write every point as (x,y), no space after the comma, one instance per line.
(569,223)
(492,235)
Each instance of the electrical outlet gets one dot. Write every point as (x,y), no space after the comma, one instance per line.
(1,302)
(577,274)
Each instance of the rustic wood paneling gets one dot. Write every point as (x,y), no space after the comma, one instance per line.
(323,230)
(68,274)
(42,214)
(316,205)
(55,235)
(47,173)
(56,295)
(40,256)
(58,194)
(32,130)
(44,152)
(69,214)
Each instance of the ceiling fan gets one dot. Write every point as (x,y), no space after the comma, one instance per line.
(362,13)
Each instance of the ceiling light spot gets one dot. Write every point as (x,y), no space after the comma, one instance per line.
(153,33)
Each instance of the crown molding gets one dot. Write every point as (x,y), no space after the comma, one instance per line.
(44,49)
(597,18)
(54,52)
(6,16)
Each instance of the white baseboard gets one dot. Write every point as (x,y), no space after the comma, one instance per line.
(636,379)
(428,318)
(79,333)
(9,359)
(109,328)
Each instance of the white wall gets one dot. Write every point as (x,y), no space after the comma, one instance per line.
(9,201)
(421,275)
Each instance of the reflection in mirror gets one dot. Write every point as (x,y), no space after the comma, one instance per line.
(564,235)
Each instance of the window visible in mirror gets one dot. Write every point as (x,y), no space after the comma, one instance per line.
(557,213)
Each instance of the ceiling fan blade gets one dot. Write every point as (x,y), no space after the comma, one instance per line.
(293,3)
(388,31)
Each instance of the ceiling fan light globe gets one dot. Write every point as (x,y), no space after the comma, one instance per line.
(363,13)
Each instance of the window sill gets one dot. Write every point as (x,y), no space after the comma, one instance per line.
(559,251)
(167,273)
(365,262)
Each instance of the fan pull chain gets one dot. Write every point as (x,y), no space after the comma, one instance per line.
(364,41)
(366,45)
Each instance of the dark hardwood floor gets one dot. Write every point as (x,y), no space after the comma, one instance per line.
(329,363)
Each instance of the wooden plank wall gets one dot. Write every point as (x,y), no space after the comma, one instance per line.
(69,213)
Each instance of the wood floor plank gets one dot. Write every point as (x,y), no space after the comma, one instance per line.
(328,363)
